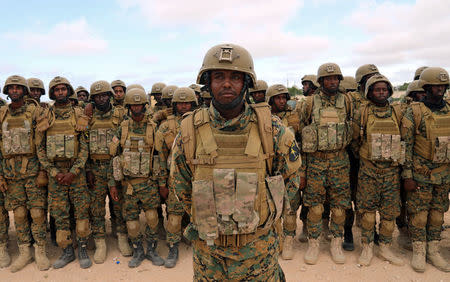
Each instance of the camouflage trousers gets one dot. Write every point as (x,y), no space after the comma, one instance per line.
(4,220)
(290,216)
(60,198)
(98,201)
(327,179)
(378,190)
(256,261)
(175,211)
(426,207)
(142,196)
(25,193)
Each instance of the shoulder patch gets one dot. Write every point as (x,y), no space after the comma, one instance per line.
(294,152)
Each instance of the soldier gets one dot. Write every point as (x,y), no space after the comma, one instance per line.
(206,97)
(156,93)
(225,163)
(5,259)
(426,173)
(414,93)
(184,100)
(104,122)
(349,84)
(310,85)
(63,151)
(37,90)
(327,117)
(377,142)
(119,89)
(418,72)
(198,90)
(19,169)
(166,97)
(134,146)
(258,93)
(82,94)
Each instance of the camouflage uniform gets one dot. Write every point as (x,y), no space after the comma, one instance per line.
(234,257)
(4,220)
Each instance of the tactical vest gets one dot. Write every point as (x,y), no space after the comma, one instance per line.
(330,128)
(231,194)
(436,146)
(381,136)
(171,133)
(17,133)
(137,150)
(62,139)
(290,119)
(101,133)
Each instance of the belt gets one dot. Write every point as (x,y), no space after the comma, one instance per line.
(239,240)
(64,164)
(326,155)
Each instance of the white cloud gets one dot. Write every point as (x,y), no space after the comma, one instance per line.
(66,38)
(403,32)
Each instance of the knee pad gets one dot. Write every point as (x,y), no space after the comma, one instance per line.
(37,215)
(368,220)
(82,226)
(133,228)
(387,227)
(174,223)
(419,219)
(20,215)
(315,213)
(152,218)
(63,238)
(290,222)
(338,215)
(436,218)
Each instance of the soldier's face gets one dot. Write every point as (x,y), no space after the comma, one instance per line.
(306,86)
(101,99)
(15,92)
(137,110)
(380,92)
(259,96)
(183,107)
(157,97)
(35,93)
(207,101)
(331,83)
(82,96)
(279,103)
(226,85)
(438,91)
(418,96)
(60,93)
(119,94)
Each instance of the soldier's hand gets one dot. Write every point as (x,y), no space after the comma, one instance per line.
(302,183)
(68,178)
(90,177)
(3,184)
(59,177)
(114,193)
(410,185)
(163,191)
(89,109)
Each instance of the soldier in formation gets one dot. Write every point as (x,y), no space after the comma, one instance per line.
(258,93)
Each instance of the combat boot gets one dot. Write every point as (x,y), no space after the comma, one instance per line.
(5,259)
(435,257)
(138,255)
(172,257)
(40,255)
(83,257)
(23,259)
(326,230)
(312,254)
(152,255)
(124,247)
(387,254)
(100,251)
(366,254)
(348,240)
(418,262)
(337,253)
(288,252)
(304,236)
(67,257)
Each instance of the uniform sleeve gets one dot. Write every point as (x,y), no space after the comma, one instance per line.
(163,153)
(407,132)
(356,138)
(83,154)
(180,176)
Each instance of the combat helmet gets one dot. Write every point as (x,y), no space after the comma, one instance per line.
(120,83)
(378,78)
(157,88)
(135,96)
(101,86)
(311,78)
(364,70)
(227,57)
(349,83)
(205,94)
(261,85)
(418,72)
(413,86)
(184,94)
(36,83)
(196,87)
(135,85)
(167,92)
(16,80)
(60,80)
(434,76)
(329,69)
(277,89)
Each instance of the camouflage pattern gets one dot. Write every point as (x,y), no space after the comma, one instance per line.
(434,187)
(4,220)
(257,259)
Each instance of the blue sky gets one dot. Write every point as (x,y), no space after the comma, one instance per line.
(145,41)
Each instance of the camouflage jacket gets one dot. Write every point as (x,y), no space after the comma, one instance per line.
(357,98)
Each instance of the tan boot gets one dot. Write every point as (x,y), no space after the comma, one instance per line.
(40,255)
(23,259)
(5,259)
(326,230)
(304,236)
(418,259)
(435,257)
(124,247)
(337,254)
(312,254)
(100,251)
(387,254)
(366,254)
(288,252)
